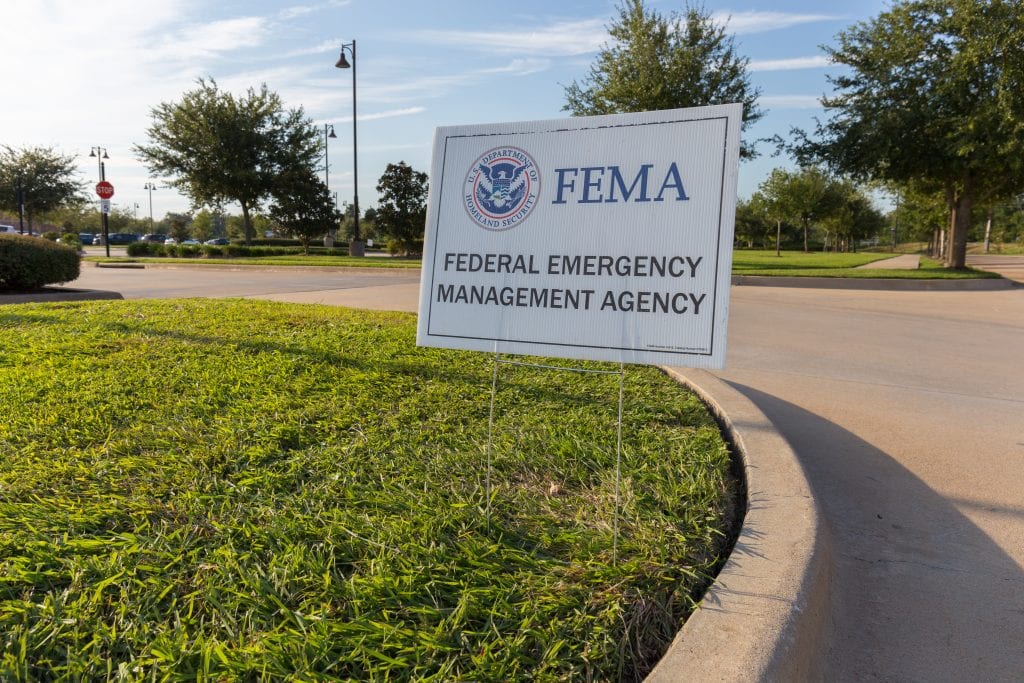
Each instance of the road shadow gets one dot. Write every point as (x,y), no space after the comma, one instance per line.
(919,592)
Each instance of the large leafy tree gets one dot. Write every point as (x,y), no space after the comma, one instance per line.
(935,93)
(657,62)
(852,216)
(402,210)
(217,148)
(44,178)
(303,206)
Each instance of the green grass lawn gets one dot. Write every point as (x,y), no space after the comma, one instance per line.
(243,490)
(818,264)
(745,262)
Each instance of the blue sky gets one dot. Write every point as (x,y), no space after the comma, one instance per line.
(78,74)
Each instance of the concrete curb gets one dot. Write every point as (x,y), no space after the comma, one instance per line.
(892,284)
(55,294)
(766,617)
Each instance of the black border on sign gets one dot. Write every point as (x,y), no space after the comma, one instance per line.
(718,240)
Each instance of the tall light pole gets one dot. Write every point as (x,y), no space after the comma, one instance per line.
(356,247)
(328,133)
(150,186)
(101,153)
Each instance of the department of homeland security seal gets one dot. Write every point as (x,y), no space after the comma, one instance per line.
(501,188)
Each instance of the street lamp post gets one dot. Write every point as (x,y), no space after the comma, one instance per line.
(328,133)
(356,247)
(101,153)
(150,186)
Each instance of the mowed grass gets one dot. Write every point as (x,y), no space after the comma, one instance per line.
(242,490)
(313,260)
(830,264)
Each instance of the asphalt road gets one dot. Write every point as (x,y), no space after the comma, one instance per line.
(905,408)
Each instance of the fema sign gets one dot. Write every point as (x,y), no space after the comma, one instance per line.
(601,238)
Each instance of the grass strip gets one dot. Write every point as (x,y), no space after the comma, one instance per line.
(817,264)
(312,260)
(247,490)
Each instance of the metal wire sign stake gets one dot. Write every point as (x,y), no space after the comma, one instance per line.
(621,372)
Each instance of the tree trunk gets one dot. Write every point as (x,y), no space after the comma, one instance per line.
(246,224)
(957,252)
(778,237)
(805,235)
(988,230)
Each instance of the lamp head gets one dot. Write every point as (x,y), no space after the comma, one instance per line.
(342,62)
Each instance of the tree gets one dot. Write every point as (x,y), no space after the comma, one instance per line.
(659,62)
(177,225)
(219,148)
(921,212)
(753,225)
(304,206)
(779,196)
(852,216)
(935,93)
(43,178)
(202,226)
(402,209)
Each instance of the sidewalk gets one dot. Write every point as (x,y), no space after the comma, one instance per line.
(904,262)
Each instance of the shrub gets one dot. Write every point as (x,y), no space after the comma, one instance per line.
(273,242)
(50,235)
(71,239)
(29,263)
(212,251)
(187,250)
(141,249)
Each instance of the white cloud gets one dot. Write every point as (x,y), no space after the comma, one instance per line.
(385,90)
(198,42)
(815,62)
(560,39)
(790,101)
(758,22)
(295,11)
(390,114)
(332,45)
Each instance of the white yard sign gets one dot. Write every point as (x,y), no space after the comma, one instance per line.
(602,238)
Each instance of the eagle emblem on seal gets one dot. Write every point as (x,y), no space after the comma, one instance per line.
(501,188)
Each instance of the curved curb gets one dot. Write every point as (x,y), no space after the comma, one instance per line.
(766,617)
(890,284)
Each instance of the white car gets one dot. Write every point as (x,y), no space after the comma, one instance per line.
(8,229)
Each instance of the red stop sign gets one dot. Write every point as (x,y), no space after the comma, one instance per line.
(104,189)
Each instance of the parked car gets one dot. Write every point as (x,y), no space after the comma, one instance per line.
(154,238)
(86,238)
(219,241)
(9,229)
(123,237)
(170,240)
(190,242)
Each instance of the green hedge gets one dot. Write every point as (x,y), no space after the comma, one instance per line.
(30,262)
(225,251)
